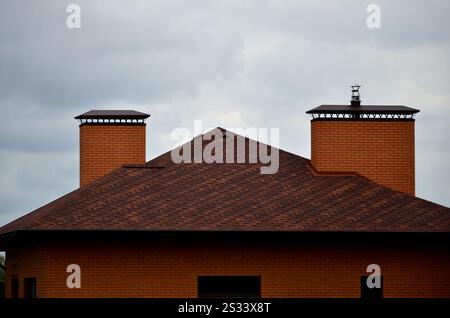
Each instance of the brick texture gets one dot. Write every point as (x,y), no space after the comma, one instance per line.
(382,151)
(104,148)
(171,269)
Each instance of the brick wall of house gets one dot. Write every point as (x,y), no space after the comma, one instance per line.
(170,269)
(380,150)
(104,148)
(29,260)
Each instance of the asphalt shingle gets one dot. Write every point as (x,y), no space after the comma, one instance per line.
(164,196)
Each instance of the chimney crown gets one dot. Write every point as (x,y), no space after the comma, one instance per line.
(112,116)
(363,112)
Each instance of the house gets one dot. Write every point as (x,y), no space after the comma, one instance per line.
(162,229)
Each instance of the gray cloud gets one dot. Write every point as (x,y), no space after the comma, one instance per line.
(229,63)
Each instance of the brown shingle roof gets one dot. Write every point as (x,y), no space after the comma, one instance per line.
(164,196)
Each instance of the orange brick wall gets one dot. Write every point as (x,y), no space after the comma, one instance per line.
(380,150)
(171,270)
(104,148)
(27,261)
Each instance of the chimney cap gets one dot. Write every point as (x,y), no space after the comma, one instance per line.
(370,109)
(362,112)
(113,114)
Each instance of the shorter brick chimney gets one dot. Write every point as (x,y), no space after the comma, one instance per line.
(109,139)
(375,141)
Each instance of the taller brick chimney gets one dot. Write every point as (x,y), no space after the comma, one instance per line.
(375,141)
(109,139)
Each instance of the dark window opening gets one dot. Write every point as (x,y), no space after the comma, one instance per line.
(29,287)
(15,288)
(229,286)
(371,293)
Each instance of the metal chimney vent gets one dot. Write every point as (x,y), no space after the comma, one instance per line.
(355,95)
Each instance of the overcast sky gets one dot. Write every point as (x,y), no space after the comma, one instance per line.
(229,63)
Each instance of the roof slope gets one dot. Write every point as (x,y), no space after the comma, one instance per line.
(164,196)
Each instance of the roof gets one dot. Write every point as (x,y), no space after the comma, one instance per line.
(165,196)
(113,114)
(363,109)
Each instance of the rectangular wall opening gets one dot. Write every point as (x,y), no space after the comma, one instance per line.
(229,286)
(29,287)
(15,287)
